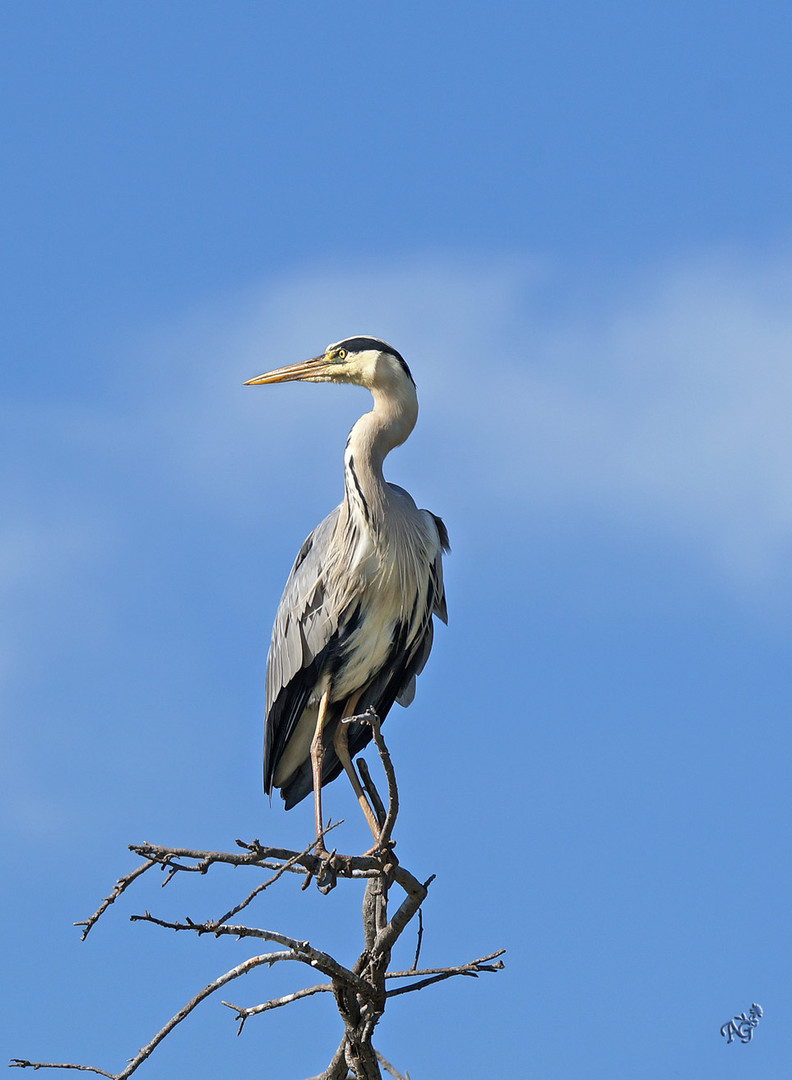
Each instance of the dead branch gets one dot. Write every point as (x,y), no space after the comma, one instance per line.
(418,941)
(440,974)
(286,866)
(477,965)
(374,722)
(390,1069)
(21,1063)
(242,1013)
(360,990)
(111,898)
(166,1029)
(301,951)
(371,791)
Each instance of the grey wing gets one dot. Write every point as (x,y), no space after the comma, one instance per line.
(437,606)
(301,634)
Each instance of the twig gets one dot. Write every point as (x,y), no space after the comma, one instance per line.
(418,942)
(255,854)
(472,970)
(243,1012)
(389,935)
(258,856)
(147,1050)
(21,1063)
(337,1069)
(282,869)
(371,790)
(360,991)
(120,886)
(371,718)
(389,1068)
(300,950)
(462,967)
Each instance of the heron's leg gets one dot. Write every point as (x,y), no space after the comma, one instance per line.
(341,746)
(317,756)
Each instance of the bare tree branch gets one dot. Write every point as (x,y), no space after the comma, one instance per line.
(418,941)
(184,1011)
(440,974)
(388,936)
(299,950)
(337,1069)
(289,864)
(120,886)
(360,990)
(21,1063)
(341,1072)
(275,1003)
(371,791)
(478,964)
(390,1069)
(371,718)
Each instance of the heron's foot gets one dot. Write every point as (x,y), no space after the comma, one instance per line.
(384,853)
(370,716)
(326,870)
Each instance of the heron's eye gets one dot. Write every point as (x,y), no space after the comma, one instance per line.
(342,354)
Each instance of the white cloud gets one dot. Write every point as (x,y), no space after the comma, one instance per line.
(662,403)
(665,403)
(659,407)
(674,411)
(39,554)
(42,562)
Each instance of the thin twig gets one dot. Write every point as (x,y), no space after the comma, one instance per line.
(371,790)
(21,1063)
(147,1050)
(258,856)
(471,970)
(373,719)
(360,992)
(282,869)
(389,935)
(243,1012)
(337,1069)
(420,939)
(301,950)
(437,971)
(389,1068)
(120,886)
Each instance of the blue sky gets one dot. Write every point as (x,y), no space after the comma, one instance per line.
(574,221)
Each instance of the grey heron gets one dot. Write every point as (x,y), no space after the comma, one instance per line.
(355,622)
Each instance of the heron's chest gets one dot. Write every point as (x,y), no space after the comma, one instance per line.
(386,617)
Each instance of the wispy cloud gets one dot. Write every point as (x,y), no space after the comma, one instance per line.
(657,408)
(43,559)
(39,554)
(665,401)
(672,409)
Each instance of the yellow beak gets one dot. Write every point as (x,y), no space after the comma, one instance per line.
(317,369)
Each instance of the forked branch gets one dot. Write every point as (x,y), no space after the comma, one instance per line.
(359,991)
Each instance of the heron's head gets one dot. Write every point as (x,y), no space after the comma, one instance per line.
(365,361)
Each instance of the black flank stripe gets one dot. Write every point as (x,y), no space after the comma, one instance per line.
(353,474)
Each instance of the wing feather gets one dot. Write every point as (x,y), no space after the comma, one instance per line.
(301,635)
(309,636)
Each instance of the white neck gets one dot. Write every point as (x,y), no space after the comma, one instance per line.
(371,439)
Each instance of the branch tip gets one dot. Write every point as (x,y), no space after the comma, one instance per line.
(360,990)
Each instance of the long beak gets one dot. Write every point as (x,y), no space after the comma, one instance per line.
(318,368)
